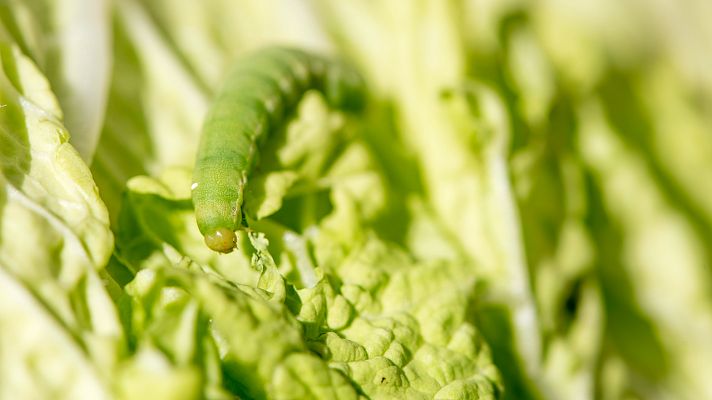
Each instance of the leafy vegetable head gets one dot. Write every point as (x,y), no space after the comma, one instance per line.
(527,180)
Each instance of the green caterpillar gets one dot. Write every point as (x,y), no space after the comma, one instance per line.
(259,93)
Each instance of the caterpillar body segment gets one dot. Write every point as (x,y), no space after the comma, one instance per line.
(258,95)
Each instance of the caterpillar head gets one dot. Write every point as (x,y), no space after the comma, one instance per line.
(222,240)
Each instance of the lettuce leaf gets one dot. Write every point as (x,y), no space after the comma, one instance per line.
(339,313)
(70,43)
(60,330)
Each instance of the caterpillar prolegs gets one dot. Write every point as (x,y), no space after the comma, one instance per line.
(258,94)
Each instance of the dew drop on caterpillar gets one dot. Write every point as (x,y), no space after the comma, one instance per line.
(259,92)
